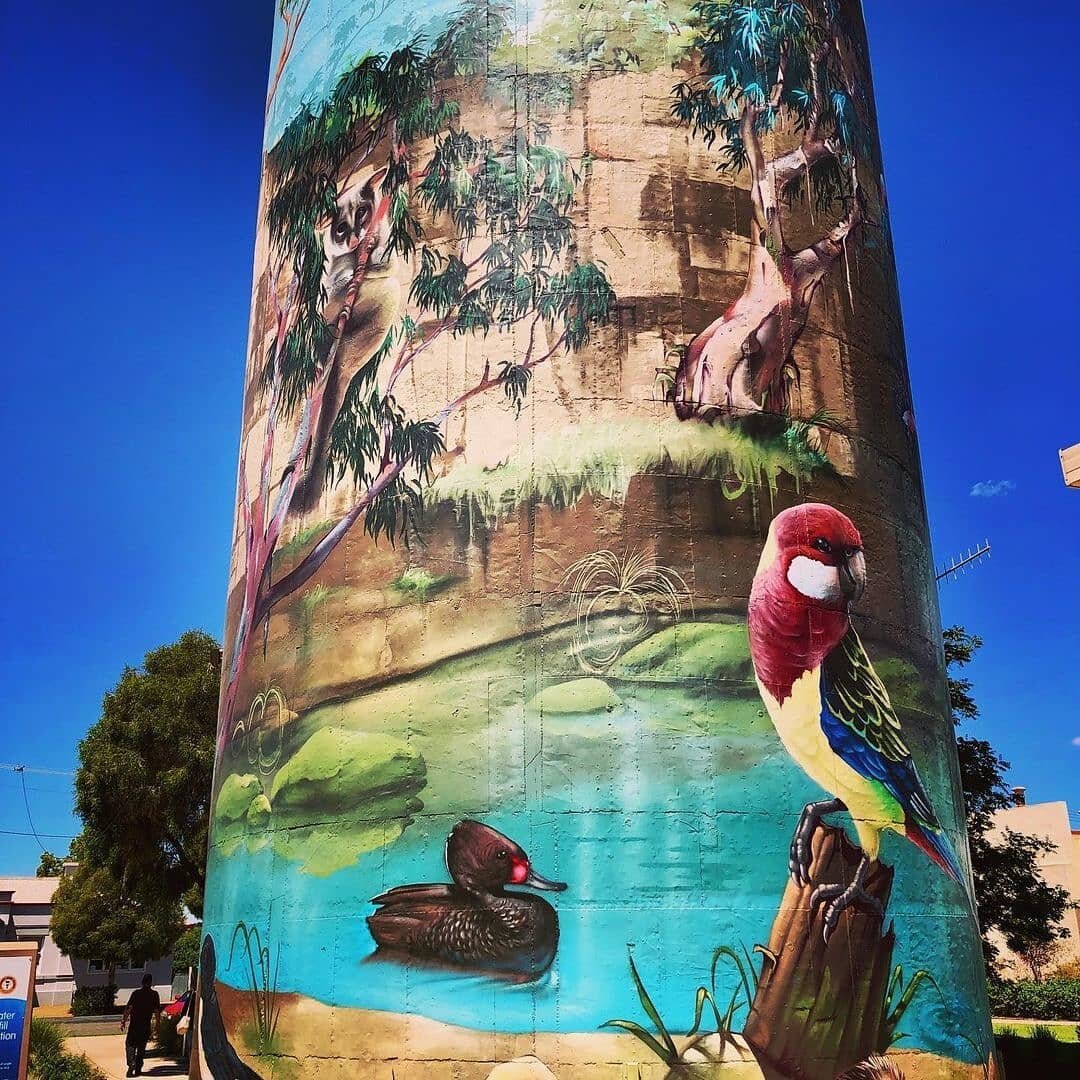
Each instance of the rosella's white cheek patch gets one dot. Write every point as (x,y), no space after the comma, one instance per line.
(814,579)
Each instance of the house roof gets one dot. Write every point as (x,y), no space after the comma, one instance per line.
(29,890)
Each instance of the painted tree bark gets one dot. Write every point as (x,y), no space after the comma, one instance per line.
(818,1008)
(741,364)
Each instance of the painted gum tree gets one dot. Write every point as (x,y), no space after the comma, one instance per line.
(509,270)
(291,13)
(767,66)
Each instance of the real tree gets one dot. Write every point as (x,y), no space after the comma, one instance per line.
(49,865)
(143,784)
(1013,897)
(96,915)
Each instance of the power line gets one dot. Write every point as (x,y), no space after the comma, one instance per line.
(31,769)
(29,816)
(47,835)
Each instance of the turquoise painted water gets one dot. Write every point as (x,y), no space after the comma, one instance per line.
(669,818)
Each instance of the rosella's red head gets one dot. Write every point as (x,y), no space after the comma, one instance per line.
(817,552)
(483,860)
(812,570)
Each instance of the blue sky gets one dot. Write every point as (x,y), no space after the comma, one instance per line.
(131,180)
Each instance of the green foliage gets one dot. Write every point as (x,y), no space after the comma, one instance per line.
(49,865)
(65,1066)
(47,1042)
(744,47)
(601,462)
(95,915)
(1015,899)
(1012,896)
(1070,969)
(1052,999)
(185,950)
(600,36)
(513,199)
(93,1000)
(393,97)
(418,584)
(262,995)
(898,999)
(664,1046)
(235,797)
(960,650)
(143,784)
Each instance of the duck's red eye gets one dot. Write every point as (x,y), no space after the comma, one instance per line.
(519,869)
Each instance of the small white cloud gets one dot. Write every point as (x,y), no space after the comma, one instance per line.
(987,489)
(1076,741)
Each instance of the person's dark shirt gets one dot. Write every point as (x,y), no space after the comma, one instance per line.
(143,1003)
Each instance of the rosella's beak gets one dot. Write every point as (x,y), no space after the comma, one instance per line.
(853,577)
(535,881)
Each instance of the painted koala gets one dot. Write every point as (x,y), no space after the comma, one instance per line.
(378,304)
(342,237)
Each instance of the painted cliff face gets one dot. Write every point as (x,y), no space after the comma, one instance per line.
(584,685)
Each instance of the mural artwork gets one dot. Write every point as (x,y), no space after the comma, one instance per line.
(584,713)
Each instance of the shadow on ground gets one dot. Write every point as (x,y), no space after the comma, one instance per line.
(1038,1057)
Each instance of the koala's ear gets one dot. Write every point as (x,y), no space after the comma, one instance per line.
(376,179)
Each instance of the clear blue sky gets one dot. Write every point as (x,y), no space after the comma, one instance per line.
(133,139)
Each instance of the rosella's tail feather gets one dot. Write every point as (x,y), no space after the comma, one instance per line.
(937,847)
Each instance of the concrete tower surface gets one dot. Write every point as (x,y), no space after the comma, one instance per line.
(584,682)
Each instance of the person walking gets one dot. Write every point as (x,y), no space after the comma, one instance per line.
(143,1007)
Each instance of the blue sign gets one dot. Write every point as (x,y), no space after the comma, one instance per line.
(16,986)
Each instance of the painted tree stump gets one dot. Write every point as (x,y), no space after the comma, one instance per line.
(818,1007)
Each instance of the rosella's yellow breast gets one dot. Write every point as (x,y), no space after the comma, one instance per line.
(798,723)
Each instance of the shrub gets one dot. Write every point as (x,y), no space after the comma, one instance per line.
(69,1067)
(93,1001)
(46,1044)
(1069,970)
(1054,999)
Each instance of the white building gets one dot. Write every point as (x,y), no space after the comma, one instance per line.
(1059,867)
(25,914)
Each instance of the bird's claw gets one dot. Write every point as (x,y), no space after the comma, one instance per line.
(801,854)
(838,898)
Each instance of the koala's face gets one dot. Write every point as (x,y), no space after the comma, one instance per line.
(348,229)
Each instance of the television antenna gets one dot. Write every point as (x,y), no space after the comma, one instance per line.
(959,564)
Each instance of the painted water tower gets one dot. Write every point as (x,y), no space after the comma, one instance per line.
(584,712)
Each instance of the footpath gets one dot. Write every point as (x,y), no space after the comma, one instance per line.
(107,1053)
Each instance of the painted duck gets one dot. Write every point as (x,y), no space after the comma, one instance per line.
(475,923)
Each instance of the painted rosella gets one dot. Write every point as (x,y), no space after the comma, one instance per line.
(828,705)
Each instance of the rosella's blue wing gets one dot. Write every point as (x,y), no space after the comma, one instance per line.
(862,728)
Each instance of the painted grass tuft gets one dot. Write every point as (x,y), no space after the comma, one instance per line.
(601,462)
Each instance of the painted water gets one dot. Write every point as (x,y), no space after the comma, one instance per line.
(668,811)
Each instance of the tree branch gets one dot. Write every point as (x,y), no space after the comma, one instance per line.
(389,472)
(762,188)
